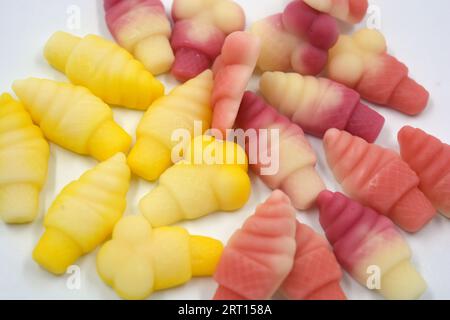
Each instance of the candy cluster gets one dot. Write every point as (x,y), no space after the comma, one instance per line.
(207,49)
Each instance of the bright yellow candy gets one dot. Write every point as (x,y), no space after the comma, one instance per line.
(23,163)
(140,260)
(188,103)
(83,215)
(73,117)
(103,67)
(190,190)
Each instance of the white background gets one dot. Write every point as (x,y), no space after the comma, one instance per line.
(417,33)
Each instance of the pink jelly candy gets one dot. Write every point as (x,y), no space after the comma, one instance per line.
(143,28)
(295,174)
(378,178)
(200,30)
(232,72)
(297,39)
(350,11)
(318,104)
(260,255)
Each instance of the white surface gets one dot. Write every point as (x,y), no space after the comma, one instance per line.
(416,31)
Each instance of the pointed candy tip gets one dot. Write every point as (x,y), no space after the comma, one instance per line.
(331,136)
(278,196)
(405,134)
(323,198)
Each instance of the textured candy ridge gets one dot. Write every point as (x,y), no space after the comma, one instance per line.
(186,104)
(24,157)
(190,190)
(143,28)
(106,69)
(259,256)
(232,72)
(296,174)
(73,117)
(83,215)
(318,104)
(430,159)
(296,40)
(361,62)
(316,273)
(140,260)
(200,30)
(363,239)
(378,178)
(350,11)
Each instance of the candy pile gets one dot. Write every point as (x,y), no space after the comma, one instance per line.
(208,50)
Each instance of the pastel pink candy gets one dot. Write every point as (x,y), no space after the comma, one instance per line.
(297,39)
(143,28)
(294,170)
(200,30)
(319,104)
(351,11)
(232,72)
(363,240)
(260,255)
(316,275)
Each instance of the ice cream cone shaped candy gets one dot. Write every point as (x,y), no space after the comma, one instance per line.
(23,163)
(198,186)
(83,215)
(318,104)
(296,40)
(430,159)
(143,28)
(316,273)
(186,104)
(232,72)
(200,30)
(378,178)
(140,260)
(361,62)
(350,11)
(72,117)
(369,247)
(292,164)
(260,255)
(106,69)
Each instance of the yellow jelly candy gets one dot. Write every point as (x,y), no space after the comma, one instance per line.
(190,190)
(103,67)
(73,117)
(140,260)
(23,163)
(187,103)
(83,215)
